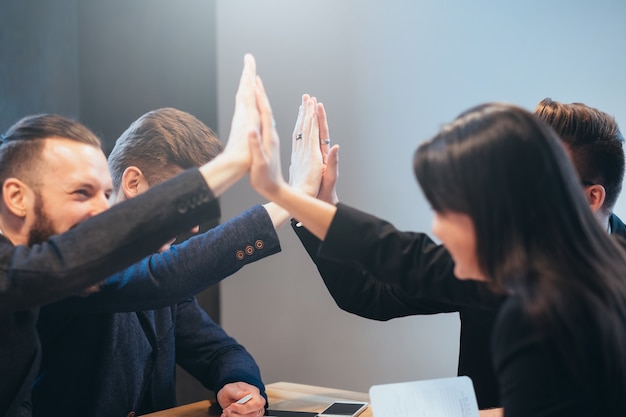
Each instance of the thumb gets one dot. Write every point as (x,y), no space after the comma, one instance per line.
(254,142)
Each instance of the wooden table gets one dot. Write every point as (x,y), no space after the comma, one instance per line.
(282,396)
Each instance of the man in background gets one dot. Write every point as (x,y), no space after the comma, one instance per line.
(100,362)
(58,239)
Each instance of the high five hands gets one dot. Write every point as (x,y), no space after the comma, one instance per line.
(313,171)
(314,162)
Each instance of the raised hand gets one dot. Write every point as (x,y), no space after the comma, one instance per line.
(245,117)
(267,179)
(265,171)
(232,164)
(305,171)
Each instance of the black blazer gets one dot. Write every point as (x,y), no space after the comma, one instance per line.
(376,271)
(79,258)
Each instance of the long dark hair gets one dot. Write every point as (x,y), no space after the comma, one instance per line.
(536,235)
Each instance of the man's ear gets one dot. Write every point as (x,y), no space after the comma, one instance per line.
(17,196)
(133,182)
(596,195)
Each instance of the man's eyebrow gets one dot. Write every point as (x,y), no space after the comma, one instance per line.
(81,183)
(71,185)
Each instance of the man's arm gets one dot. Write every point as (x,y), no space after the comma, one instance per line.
(185,269)
(215,359)
(115,239)
(102,245)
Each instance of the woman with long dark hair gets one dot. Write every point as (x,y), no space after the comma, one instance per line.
(560,340)
(510,211)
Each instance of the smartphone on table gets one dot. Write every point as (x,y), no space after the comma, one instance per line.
(344,409)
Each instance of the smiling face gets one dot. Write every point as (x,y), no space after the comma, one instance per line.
(456,232)
(71,184)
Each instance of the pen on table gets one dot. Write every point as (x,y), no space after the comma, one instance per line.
(244,400)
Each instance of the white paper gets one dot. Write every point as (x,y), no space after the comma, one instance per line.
(445,397)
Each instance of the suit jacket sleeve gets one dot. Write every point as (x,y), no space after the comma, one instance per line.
(376,271)
(104,244)
(205,351)
(186,269)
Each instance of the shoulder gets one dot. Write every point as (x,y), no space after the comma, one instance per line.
(512,312)
(617,226)
(512,326)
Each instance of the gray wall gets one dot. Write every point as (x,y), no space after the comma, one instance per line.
(38,59)
(106,63)
(390,73)
(142,55)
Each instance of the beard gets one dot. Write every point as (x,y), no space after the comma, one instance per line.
(42,229)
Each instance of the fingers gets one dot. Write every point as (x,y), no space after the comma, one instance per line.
(332,166)
(256,150)
(324,132)
(259,172)
(245,97)
(268,125)
(313,140)
(264,147)
(328,186)
(245,92)
(309,112)
(241,399)
(253,408)
(245,116)
(321,114)
(299,121)
(263,102)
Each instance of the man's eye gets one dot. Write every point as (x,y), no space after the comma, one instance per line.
(82,192)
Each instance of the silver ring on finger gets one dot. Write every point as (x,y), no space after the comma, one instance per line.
(325,141)
(299,136)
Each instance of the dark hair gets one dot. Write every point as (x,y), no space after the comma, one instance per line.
(161,140)
(21,145)
(594,141)
(536,235)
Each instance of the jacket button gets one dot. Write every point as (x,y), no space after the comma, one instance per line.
(249,250)
(259,244)
(131,414)
(239,255)
(182,208)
